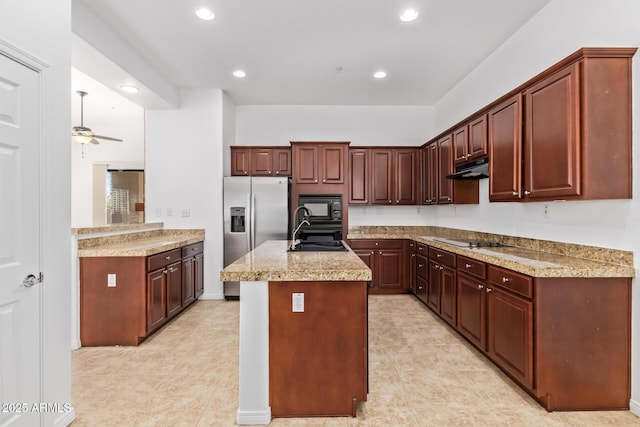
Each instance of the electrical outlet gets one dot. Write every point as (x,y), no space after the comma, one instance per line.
(546,211)
(169,212)
(111,280)
(297,303)
(186,212)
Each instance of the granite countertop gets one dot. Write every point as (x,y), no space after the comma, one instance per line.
(532,262)
(138,244)
(115,228)
(271,262)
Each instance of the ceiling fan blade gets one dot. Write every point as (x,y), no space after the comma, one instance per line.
(95,141)
(109,138)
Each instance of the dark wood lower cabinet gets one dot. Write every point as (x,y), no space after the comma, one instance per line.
(388,261)
(144,294)
(510,333)
(471,311)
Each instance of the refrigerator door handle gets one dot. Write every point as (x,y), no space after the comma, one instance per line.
(253,221)
(249,224)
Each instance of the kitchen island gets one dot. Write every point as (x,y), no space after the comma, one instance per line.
(303,332)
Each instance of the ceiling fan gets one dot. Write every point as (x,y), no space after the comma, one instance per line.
(84,135)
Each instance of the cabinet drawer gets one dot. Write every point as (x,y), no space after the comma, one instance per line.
(373,244)
(422,249)
(442,257)
(515,282)
(422,266)
(472,267)
(412,245)
(155,262)
(193,249)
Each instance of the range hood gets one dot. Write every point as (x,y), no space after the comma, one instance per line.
(477,169)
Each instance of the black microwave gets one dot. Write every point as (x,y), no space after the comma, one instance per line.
(322,208)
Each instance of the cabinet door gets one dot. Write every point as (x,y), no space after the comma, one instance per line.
(413,272)
(471,311)
(188,281)
(390,265)
(332,164)
(405,176)
(460,145)
(381,182)
(359,172)
(240,161)
(281,162)
(434,293)
(552,136)
(510,330)
(445,167)
(305,157)
(505,139)
(156,299)
(430,174)
(261,161)
(422,289)
(174,288)
(368,256)
(477,145)
(199,274)
(448,299)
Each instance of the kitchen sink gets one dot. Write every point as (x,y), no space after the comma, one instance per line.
(318,246)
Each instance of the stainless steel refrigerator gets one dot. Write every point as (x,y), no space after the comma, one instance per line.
(256,209)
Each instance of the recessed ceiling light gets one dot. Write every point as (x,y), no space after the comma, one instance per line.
(379,74)
(239,73)
(129,88)
(408,15)
(205,14)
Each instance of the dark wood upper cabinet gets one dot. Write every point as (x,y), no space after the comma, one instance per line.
(461,144)
(359,170)
(319,163)
(260,161)
(477,145)
(552,136)
(445,167)
(392,176)
(505,142)
(430,174)
(240,164)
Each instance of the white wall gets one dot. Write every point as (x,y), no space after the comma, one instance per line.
(106,113)
(42,30)
(228,131)
(362,125)
(184,164)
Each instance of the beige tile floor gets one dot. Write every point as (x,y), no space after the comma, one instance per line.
(421,374)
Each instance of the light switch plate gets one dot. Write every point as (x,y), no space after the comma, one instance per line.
(297,303)
(111,280)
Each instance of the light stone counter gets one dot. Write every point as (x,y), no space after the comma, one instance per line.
(139,244)
(536,258)
(271,262)
(115,228)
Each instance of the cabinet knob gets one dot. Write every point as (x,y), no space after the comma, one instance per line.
(366,201)
(436,267)
(505,280)
(315,180)
(526,193)
(515,193)
(413,255)
(397,201)
(441,268)
(480,286)
(420,265)
(376,243)
(245,172)
(372,252)
(380,252)
(419,248)
(448,199)
(389,201)
(438,255)
(468,265)
(488,290)
(419,288)
(167,257)
(324,180)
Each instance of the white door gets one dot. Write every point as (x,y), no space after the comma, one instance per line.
(19,244)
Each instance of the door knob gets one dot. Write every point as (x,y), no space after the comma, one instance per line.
(31,280)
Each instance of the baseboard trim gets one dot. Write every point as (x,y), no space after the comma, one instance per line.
(634,407)
(66,419)
(207,296)
(254,417)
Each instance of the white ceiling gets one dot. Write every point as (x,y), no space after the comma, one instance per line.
(290,48)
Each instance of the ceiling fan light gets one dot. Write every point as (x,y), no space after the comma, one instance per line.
(82,139)
(408,15)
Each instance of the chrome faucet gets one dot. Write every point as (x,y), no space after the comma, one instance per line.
(296,224)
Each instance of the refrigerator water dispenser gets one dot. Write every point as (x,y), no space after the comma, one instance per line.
(237,220)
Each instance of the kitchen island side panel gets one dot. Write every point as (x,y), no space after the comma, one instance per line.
(317,358)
